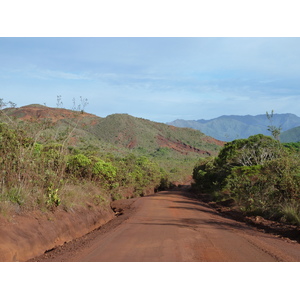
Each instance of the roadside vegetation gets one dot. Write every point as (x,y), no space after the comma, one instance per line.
(76,159)
(259,175)
(42,169)
(45,176)
(56,158)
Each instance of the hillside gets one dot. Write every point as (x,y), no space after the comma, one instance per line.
(118,132)
(291,135)
(174,149)
(228,128)
(144,135)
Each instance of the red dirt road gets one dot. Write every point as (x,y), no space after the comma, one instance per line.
(174,226)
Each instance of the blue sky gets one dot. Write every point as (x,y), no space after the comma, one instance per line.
(161,79)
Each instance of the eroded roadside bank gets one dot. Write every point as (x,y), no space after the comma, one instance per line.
(30,234)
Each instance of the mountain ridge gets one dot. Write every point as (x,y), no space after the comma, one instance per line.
(230,127)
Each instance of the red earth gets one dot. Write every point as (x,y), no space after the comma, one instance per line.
(175,226)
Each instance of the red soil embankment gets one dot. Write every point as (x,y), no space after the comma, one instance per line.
(29,235)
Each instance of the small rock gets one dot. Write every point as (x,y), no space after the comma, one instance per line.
(258,219)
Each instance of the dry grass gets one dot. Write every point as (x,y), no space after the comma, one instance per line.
(84,194)
(291,213)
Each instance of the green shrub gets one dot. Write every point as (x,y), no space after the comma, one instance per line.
(258,173)
(251,188)
(53,198)
(104,170)
(256,150)
(207,176)
(79,165)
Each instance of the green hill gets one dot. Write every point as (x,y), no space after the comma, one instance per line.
(58,159)
(120,131)
(175,149)
(291,135)
(140,134)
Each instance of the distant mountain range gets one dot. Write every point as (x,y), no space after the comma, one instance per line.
(229,128)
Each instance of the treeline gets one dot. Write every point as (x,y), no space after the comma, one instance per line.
(37,175)
(259,175)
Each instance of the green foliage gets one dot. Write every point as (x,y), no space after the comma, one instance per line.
(258,173)
(257,149)
(78,165)
(292,147)
(138,172)
(12,139)
(104,170)
(14,149)
(251,188)
(53,198)
(207,176)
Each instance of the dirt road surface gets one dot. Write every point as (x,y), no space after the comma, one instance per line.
(173,226)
